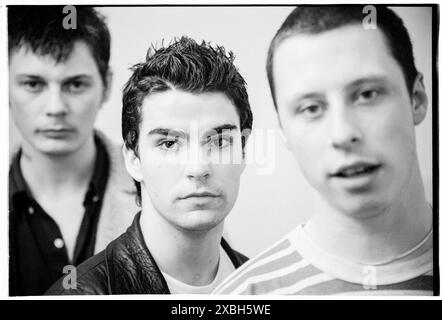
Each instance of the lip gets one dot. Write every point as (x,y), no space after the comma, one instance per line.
(361,181)
(205,194)
(56,129)
(370,166)
(56,132)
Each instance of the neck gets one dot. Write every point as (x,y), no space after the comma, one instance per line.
(191,257)
(54,173)
(385,233)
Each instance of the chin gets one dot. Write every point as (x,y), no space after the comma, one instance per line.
(57,152)
(57,148)
(361,207)
(201,220)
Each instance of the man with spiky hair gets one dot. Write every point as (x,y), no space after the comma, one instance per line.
(348,98)
(69,194)
(185,122)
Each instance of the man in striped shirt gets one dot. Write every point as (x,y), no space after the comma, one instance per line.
(348,97)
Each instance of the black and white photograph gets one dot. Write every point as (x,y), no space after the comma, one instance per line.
(221,151)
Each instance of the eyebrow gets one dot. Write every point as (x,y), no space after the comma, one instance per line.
(361,81)
(71,78)
(224,127)
(78,77)
(353,84)
(167,132)
(310,95)
(29,76)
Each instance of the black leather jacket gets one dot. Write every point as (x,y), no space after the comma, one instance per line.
(125,267)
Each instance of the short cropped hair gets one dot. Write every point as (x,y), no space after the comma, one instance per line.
(318,19)
(188,66)
(40,29)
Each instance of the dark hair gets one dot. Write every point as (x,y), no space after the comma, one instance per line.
(188,66)
(317,19)
(40,28)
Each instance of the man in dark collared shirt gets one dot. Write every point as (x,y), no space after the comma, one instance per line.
(69,194)
(37,237)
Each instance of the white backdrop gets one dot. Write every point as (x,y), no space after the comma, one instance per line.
(274,196)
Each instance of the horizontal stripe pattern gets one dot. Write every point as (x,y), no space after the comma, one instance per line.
(281,270)
(259,264)
(422,285)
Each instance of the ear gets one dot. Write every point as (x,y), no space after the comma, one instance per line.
(107,89)
(132,163)
(245,135)
(419,100)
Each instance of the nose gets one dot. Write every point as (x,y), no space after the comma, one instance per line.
(345,132)
(198,166)
(55,104)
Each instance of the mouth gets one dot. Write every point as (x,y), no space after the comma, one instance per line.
(357,170)
(56,129)
(200,195)
(56,133)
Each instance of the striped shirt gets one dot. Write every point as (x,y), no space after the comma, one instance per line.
(296,266)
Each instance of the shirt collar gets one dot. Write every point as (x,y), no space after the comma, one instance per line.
(100,174)
(18,188)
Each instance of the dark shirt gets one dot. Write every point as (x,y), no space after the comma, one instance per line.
(37,254)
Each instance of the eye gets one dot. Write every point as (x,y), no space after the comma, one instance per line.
(366,96)
(33,85)
(76,86)
(220,142)
(168,145)
(311,111)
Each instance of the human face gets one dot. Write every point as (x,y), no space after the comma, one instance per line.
(348,117)
(54,105)
(189,157)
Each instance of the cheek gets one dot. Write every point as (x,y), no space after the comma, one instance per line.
(16,101)
(22,104)
(25,113)
(161,179)
(394,133)
(87,105)
(307,145)
(227,176)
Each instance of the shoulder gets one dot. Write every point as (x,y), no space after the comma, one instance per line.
(119,201)
(112,149)
(268,271)
(118,174)
(89,278)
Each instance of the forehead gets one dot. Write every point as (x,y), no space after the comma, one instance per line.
(333,58)
(177,109)
(79,61)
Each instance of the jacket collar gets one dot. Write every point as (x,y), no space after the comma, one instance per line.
(132,269)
